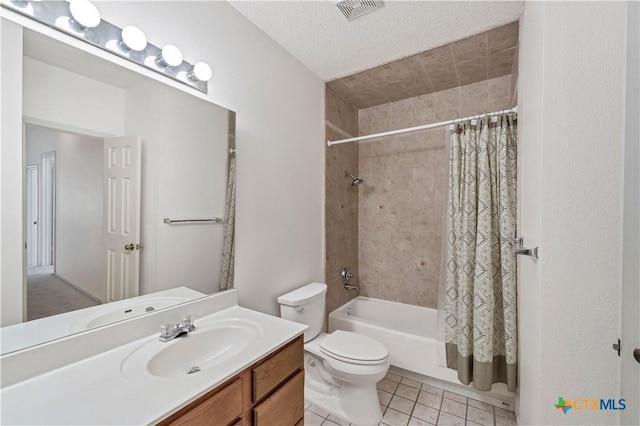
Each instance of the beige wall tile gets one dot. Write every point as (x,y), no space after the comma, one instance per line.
(441,57)
(341,207)
(338,87)
(381,75)
(357,82)
(470,48)
(499,87)
(401,207)
(469,79)
(407,68)
(421,91)
(442,79)
(501,63)
(503,37)
(472,68)
(419,86)
(456,64)
(447,99)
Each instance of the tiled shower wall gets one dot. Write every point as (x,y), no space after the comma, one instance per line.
(341,209)
(402,203)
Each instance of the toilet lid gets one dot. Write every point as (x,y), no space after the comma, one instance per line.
(353,347)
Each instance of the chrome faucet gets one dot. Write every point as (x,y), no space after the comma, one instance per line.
(170,331)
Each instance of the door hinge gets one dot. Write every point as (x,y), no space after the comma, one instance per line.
(616,347)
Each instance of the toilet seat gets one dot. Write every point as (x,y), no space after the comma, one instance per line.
(354,348)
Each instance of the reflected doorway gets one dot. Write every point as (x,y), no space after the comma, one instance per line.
(51,258)
(32,186)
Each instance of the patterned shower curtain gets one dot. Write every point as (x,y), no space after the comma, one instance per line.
(228,243)
(480,296)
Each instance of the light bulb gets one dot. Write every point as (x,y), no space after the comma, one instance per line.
(84,14)
(170,56)
(201,71)
(20,3)
(133,38)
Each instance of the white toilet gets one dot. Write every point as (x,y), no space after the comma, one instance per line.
(341,368)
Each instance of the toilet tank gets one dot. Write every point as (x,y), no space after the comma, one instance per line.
(305,305)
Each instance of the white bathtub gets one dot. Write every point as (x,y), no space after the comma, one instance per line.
(409,334)
(407,331)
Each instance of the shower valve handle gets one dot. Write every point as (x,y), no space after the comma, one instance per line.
(346,275)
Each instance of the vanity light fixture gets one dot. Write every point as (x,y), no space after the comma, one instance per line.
(20,3)
(81,19)
(201,71)
(132,38)
(84,15)
(171,56)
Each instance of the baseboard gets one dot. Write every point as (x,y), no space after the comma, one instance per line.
(78,288)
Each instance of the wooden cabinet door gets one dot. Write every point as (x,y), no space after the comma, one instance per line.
(285,407)
(277,369)
(221,409)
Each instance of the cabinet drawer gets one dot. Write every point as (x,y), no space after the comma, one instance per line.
(221,409)
(277,369)
(285,407)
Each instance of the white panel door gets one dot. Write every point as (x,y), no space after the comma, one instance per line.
(121,217)
(32,215)
(48,208)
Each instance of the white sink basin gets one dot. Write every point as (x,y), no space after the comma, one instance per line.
(208,346)
(112,312)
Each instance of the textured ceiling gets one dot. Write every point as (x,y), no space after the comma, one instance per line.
(318,34)
(486,55)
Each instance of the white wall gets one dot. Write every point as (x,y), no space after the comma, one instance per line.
(279,133)
(11,233)
(530,148)
(78,217)
(79,222)
(186,138)
(71,101)
(193,161)
(572,127)
(630,319)
(39,140)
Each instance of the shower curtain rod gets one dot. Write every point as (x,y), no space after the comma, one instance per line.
(422,127)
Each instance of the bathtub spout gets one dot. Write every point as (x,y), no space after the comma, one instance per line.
(351,287)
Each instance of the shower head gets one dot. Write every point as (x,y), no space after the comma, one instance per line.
(355,181)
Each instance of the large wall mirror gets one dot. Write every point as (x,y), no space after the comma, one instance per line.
(127,203)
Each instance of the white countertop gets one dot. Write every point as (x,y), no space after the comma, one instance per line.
(95,391)
(35,332)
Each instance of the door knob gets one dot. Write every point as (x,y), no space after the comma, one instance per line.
(129,247)
(636,353)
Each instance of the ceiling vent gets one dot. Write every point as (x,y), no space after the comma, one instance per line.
(353,9)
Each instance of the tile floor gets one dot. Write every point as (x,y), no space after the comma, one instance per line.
(407,402)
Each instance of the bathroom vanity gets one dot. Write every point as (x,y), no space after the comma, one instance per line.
(269,392)
(249,371)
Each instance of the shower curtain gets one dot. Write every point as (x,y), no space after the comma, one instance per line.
(228,243)
(480,287)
